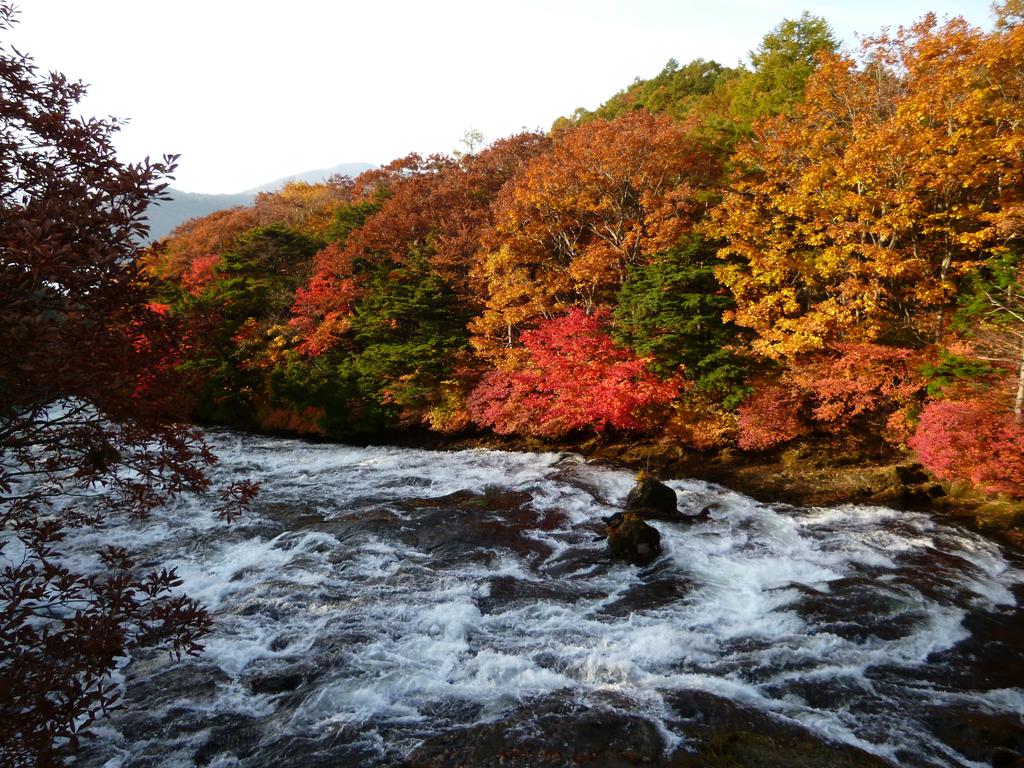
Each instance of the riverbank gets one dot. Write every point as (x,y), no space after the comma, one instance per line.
(810,472)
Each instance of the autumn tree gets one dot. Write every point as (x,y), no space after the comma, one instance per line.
(195,240)
(388,300)
(606,197)
(574,378)
(858,216)
(414,208)
(868,389)
(972,440)
(771,415)
(79,410)
(193,245)
(232,278)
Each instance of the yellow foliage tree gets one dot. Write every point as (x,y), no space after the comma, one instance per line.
(854,219)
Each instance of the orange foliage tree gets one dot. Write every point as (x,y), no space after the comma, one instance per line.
(607,196)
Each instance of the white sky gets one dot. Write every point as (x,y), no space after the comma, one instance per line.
(248,90)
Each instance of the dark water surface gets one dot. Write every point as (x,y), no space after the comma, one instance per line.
(385,605)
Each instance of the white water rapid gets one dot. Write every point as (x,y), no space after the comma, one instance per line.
(362,610)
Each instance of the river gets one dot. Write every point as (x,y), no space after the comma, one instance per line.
(386,605)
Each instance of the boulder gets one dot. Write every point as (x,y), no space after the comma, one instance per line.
(1000,515)
(907,485)
(653,500)
(630,538)
(907,474)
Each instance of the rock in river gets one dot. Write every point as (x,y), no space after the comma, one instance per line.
(653,500)
(630,538)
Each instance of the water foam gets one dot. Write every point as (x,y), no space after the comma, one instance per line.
(817,617)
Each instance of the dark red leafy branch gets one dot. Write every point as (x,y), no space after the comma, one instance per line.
(90,401)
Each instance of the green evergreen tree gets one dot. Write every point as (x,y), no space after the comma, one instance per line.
(671,310)
(253,287)
(787,56)
(676,90)
(407,332)
(351,217)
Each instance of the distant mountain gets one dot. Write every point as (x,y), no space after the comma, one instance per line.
(168,214)
(312,177)
(165,216)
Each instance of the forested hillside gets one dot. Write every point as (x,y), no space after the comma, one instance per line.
(818,245)
(178,206)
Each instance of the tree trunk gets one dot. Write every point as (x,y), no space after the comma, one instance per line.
(940,327)
(1018,402)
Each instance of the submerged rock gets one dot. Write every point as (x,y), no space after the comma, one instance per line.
(982,737)
(271,677)
(721,733)
(550,732)
(630,538)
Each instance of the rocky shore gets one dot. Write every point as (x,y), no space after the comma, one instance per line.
(812,472)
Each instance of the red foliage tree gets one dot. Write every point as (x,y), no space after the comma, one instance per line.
(829,392)
(200,273)
(972,439)
(323,306)
(770,417)
(79,409)
(574,378)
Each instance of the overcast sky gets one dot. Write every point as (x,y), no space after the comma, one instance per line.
(248,91)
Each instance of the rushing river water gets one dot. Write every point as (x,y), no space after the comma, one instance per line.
(383,605)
